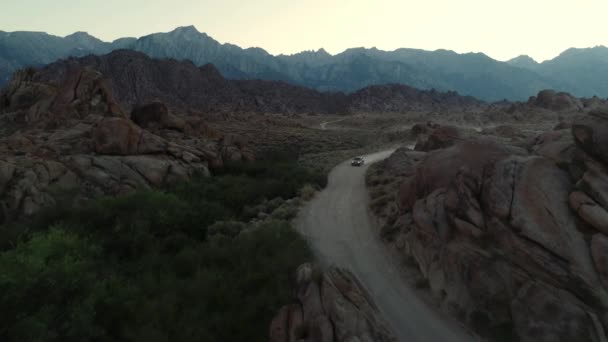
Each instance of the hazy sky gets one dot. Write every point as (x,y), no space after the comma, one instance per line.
(500,28)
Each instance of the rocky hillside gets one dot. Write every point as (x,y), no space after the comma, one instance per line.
(110,124)
(511,235)
(137,79)
(72,138)
(579,71)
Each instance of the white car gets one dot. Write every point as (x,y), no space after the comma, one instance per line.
(357,161)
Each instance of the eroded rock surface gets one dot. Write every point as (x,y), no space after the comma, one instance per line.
(67,137)
(512,240)
(332,307)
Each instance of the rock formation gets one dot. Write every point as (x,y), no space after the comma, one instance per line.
(332,306)
(67,136)
(136,79)
(511,240)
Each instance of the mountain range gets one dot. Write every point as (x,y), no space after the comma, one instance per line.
(135,79)
(582,72)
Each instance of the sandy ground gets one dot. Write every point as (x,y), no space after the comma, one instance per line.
(338,225)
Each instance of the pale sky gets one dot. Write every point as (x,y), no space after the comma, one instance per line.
(501,29)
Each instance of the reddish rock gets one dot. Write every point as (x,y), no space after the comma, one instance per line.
(591,134)
(542,313)
(84,91)
(117,136)
(540,212)
(440,137)
(599,251)
(439,168)
(558,146)
(589,211)
(496,234)
(308,292)
(549,99)
(279,327)
(149,114)
(595,183)
(333,307)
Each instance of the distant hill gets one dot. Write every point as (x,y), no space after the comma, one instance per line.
(136,79)
(582,72)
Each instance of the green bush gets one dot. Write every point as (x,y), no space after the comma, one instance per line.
(172,265)
(307,192)
(49,289)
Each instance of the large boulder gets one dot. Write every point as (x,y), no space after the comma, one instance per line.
(85,91)
(547,314)
(599,251)
(149,114)
(438,138)
(591,134)
(511,241)
(118,136)
(157,115)
(552,100)
(589,211)
(333,307)
(439,168)
(29,185)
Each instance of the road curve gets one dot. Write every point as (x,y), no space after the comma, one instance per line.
(324,124)
(337,225)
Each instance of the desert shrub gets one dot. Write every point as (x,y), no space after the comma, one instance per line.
(49,289)
(227,228)
(307,192)
(285,212)
(170,265)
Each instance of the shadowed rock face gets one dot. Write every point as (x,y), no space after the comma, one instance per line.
(64,133)
(549,99)
(333,306)
(513,241)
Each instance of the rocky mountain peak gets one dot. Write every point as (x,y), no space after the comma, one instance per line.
(324,52)
(80,35)
(188,31)
(83,40)
(523,61)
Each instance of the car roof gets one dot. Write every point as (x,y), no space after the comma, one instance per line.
(357,158)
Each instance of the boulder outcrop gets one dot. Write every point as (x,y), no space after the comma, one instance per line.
(332,306)
(511,240)
(66,137)
(558,101)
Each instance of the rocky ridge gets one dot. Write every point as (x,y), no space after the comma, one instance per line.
(578,71)
(137,79)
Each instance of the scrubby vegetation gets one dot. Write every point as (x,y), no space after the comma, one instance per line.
(181,264)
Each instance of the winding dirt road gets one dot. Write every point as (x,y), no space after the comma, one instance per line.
(324,124)
(338,226)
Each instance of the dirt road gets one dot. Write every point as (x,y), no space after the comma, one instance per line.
(338,226)
(324,124)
